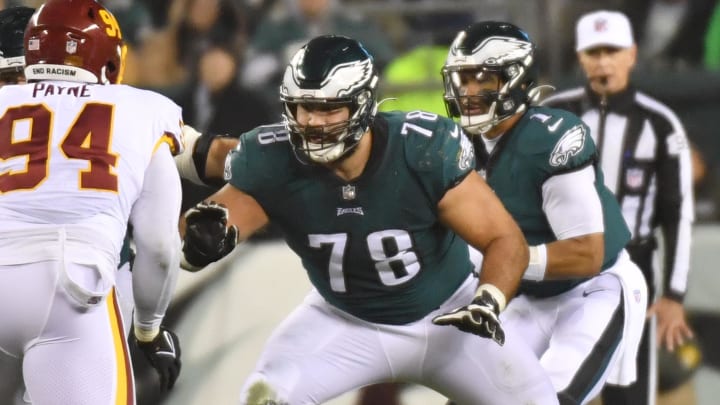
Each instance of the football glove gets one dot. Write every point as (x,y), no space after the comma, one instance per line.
(479,318)
(207,236)
(163,353)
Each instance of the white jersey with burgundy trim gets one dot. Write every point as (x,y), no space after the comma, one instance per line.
(76,154)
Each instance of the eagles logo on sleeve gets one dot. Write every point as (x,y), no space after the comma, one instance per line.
(227,172)
(568,146)
(227,169)
(466,155)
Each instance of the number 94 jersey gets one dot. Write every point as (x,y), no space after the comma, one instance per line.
(373,246)
(76,153)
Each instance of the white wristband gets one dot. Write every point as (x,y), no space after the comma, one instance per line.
(184,161)
(495,292)
(538,263)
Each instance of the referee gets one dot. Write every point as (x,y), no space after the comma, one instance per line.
(645,156)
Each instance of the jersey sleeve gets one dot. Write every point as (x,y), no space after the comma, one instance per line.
(561,142)
(237,163)
(675,204)
(572,205)
(168,124)
(259,161)
(438,151)
(154,218)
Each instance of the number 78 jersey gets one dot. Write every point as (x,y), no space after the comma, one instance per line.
(73,152)
(373,246)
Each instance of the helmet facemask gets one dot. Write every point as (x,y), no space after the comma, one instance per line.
(329,73)
(330,142)
(482,111)
(484,49)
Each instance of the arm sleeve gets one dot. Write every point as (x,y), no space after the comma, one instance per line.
(676,209)
(154,217)
(572,205)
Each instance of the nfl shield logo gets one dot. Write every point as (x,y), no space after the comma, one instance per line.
(71,46)
(636,294)
(348,192)
(634,178)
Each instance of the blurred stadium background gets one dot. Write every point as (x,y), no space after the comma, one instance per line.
(219,60)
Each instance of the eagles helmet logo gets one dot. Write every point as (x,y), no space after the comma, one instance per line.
(494,51)
(569,145)
(342,81)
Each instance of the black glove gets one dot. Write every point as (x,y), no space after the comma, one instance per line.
(163,353)
(207,236)
(479,318)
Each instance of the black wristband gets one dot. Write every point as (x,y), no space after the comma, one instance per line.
(200,154)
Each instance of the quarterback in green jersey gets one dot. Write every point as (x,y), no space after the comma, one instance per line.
(581,304)
(379,207)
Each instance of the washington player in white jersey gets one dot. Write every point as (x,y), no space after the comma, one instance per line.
(80,157)
(13,21)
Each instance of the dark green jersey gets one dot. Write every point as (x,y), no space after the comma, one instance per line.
(546,142)
(373,247)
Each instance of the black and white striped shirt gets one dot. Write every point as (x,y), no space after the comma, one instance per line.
(645,157)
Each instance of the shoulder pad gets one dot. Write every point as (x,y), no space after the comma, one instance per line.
(559,135)
(570,144)
(263,151)
(168,117)
(433,146)
(430,139)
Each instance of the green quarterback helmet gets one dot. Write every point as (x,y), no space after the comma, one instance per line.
(489,48)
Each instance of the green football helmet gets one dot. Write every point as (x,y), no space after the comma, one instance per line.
(490,48)
(329,72)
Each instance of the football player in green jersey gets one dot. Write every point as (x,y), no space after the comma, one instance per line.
(378,206)
(581,303)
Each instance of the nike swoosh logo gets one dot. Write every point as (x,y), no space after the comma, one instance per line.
(555,126)
(588,292)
